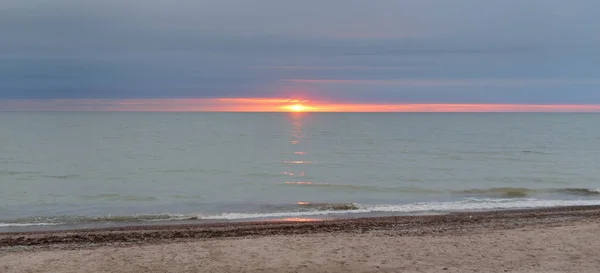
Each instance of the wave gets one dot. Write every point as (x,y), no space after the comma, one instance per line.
(512,192)
(306,209)
(15,173)
(349,187)
(265,174)
(26,224)
(118,197)
(327,206)
(302,209)
(505,192)
(580,191)
(414,208)
(535,152)
(524,192)
(68,219)
(210,171)
(38,175)
(63,177)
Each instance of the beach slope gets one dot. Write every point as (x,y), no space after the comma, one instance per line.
(546,240)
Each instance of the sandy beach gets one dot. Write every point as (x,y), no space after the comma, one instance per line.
(543,240)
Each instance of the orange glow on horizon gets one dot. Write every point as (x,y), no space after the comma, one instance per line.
(273,105)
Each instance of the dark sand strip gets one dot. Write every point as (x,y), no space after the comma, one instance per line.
(451,224)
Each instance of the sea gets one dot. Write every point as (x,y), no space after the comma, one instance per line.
(61,170)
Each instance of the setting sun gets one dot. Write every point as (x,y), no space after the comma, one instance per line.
(296,108)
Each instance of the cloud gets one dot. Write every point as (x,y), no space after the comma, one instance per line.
(123,23)
(452,82)
(385,50)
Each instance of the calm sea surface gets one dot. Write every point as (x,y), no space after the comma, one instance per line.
(84,168)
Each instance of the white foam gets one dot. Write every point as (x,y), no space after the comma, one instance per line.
(471,204)
(26,224)
(464,205)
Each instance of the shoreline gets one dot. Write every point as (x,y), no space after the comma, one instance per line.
(417,225)
(489,199)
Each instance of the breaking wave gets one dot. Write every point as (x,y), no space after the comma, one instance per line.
(304,209)
(416,208)
(580,191)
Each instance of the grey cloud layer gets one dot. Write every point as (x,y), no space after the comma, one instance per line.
(213,48)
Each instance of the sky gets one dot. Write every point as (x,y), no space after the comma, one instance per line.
(327,55)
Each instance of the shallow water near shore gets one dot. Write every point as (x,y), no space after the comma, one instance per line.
(102,169)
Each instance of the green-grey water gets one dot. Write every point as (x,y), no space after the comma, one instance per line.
(61,168)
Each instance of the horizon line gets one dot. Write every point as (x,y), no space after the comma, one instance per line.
(304,112)
(246,105)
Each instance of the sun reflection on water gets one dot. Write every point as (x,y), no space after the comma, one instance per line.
(297,162)
(298,182)
(297,159)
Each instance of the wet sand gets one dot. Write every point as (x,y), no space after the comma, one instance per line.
(545,240)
